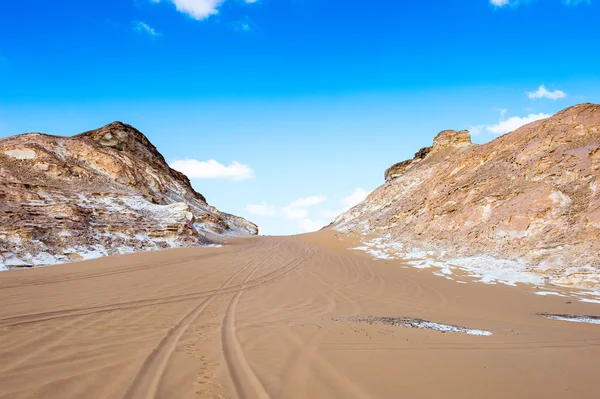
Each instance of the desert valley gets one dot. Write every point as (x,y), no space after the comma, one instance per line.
(471,272)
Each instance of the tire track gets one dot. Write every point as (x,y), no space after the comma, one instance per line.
(299,365)
(40,317)
(298,372)
(334,376)
(147,381)
(245,381)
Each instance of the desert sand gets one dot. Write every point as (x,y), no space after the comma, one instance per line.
(276,317)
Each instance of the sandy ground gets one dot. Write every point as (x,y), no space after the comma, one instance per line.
(255,320)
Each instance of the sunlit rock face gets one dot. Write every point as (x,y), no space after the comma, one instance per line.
(107,191)
(448,141)
(532,195)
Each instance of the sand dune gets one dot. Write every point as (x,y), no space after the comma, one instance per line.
(282,318)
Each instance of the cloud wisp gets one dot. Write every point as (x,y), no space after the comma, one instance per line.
(196,9)
(576,2)
(357,196)
(262,209)
(542,92)
(212,169)
(308,201)
(309,225)
(142,27)
(507,125)
(327,216)
(244,25)
(499,3)
(307,214)
(201,9)
(516,3)
(295,211)
(515,122)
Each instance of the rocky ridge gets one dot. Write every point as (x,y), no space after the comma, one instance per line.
(103,192)
(531,196)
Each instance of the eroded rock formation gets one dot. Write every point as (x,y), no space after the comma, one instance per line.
(532,195)
(106,191)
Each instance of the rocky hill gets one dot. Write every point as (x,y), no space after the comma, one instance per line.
(106,191)
(531,196)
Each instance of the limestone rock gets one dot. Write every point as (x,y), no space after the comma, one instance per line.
(445,143)
(531,195)
(107,191)
(452,139)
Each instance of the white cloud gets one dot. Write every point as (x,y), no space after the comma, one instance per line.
(514,123)
(541,92)
(197,9)
(262,209)
(357,196)
(477,129)
(515,3)
(294,213)
(304,214)
(295,210)
(244,25)
(202,9)
(308,201)
(212,169)
(143,27)
(309,225)
(507,125)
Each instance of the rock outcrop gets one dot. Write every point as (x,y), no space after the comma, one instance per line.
(532,195)
(106,191)
(446,142)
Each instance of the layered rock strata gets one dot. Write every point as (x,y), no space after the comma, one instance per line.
(532,196)
(107,191)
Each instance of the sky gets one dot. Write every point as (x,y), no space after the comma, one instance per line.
(288,112)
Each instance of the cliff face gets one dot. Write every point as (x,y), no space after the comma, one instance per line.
(532,195)
(107,191)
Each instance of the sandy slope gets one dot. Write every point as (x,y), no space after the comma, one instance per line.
(253,320)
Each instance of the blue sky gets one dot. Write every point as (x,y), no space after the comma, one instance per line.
(299,105)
